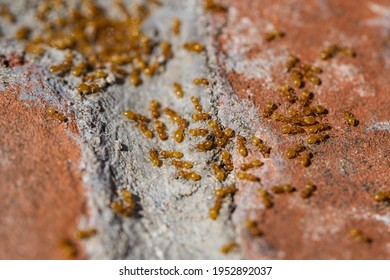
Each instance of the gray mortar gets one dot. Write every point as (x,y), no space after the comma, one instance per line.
(172,221)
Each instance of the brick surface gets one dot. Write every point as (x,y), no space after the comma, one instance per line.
(353,163)
(42,195)
(51,171)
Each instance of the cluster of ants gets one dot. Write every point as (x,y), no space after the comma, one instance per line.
(306,119)
(303,120)
(116,49)
(113,49)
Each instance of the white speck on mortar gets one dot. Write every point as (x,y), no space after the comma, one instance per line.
(383,218)
(244,37)
(380,126)
(322,224)
(384,16)
(352,77)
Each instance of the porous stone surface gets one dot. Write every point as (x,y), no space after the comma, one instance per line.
(98,152)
